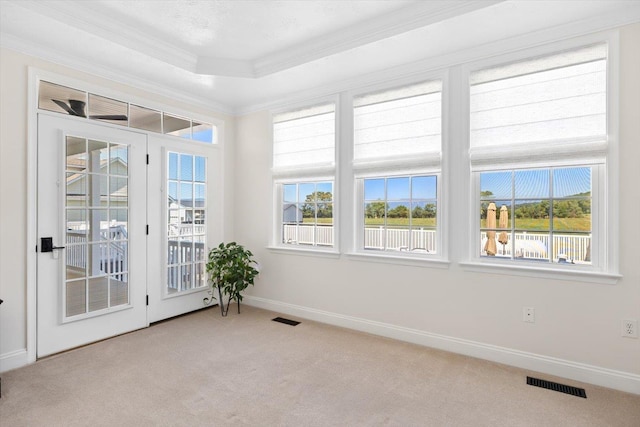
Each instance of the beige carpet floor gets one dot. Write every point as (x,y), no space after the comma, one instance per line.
(246,370)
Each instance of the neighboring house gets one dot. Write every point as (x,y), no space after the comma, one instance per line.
(187,212)
(113,190)
(291,213)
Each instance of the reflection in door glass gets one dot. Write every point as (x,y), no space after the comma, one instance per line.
(186,227)
(97,228)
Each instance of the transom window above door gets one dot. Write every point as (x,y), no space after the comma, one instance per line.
(79,103)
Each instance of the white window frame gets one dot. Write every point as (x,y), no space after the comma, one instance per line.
(299,177)
(360,222)
(604,268)
(357,251)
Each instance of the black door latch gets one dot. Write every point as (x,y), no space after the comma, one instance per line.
(46,245)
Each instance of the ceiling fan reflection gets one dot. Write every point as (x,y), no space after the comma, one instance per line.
(77,108)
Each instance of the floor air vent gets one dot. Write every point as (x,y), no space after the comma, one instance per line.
(286,321)
(575,391)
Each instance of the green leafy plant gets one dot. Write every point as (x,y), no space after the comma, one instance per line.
(231,269)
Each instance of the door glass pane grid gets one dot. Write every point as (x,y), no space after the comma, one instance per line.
(96,228)
(186,222)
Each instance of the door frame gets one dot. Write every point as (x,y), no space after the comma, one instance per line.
(34,76)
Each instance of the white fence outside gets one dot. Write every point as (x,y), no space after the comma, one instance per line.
(186,229)
(571,247)
(526,245)
(191,273)
(109,255)
(112,256)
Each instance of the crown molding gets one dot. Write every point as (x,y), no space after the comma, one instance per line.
(373,30)
(398,22)
(406,19)
(111,29)
(27,47)
(470,54)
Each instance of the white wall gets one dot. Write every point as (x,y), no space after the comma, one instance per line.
(13,187)
(475,313)
(577,333)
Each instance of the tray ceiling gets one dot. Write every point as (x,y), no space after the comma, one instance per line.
(240,55)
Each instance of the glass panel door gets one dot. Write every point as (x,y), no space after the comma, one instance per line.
(187,224)
(91,220)
(97,238)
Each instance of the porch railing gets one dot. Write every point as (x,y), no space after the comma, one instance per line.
(109,255)
(191,256)
(572,247)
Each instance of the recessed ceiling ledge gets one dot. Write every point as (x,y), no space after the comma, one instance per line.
(211,66)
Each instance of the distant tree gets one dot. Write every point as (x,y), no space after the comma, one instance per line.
(568,209)
(429,211)
(400,211)
(538,210)
(375,209)
(315,201)
(585,205)
(325,210)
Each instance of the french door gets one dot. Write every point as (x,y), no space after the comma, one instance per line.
(91,226)
(185,222)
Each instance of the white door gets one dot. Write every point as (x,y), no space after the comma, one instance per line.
(185,207)
(91,264)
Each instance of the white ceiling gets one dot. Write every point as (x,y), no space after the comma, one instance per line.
(242,55)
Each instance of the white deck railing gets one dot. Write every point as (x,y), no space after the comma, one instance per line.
(112,251)
(527,245)
(112,256)
(183,252)
(186,229)
(572,247)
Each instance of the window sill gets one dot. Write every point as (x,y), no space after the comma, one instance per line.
(390,258)
(323,253)
(548,273)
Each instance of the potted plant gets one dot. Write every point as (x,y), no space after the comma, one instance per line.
(231,270)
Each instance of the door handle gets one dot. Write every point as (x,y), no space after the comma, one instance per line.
(46,245)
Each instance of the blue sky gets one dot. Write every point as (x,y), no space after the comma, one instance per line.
(305,189)
(401,188)
(203,135)
(534,183)
(187,169)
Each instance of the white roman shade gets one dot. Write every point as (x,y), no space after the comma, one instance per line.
(547,109)
(304,142)
(398,129)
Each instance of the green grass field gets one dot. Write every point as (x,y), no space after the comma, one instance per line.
(560,224)
(401,222)
(392,222)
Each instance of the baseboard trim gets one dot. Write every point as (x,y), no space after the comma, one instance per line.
(604,377)
(13,360)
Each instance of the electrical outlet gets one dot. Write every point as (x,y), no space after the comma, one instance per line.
(630,328)
(528,314)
